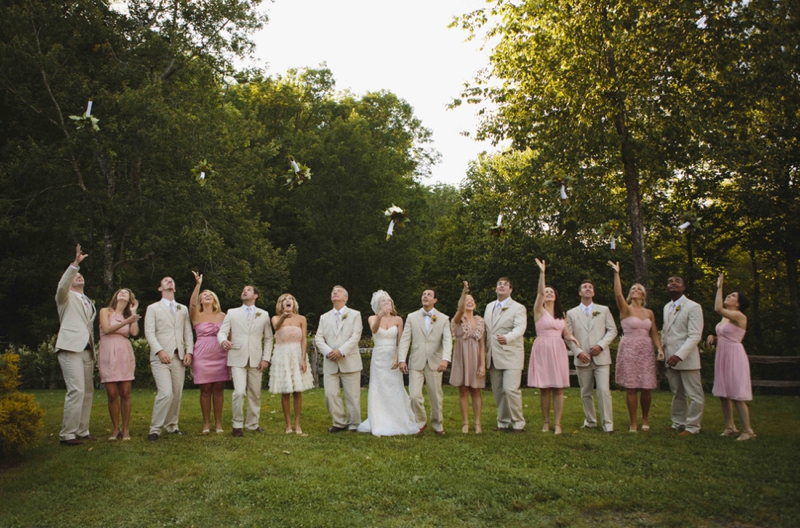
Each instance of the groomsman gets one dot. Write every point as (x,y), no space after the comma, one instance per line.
(246,334)
(168,330)
(593,325)
(506,321)
(337,339)
(75,352)
(427,333)
(682,331)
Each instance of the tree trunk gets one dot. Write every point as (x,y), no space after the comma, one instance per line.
(754,318)
(108,259)
(689,259)
(791,279)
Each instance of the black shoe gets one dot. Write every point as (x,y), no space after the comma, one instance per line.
(334,429)
(177,432)
(87,437)
(237,432)
(257,430)
(153,437)
(72,442)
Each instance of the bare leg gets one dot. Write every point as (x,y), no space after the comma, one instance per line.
(727,415)
(744,416)
(558,408)
(646,399)
(544,401)
(477,408)
(298,405)
(218,390)
(205,405)
(630,399)
(463,404)
(113,406)
(125,400)
(286,405)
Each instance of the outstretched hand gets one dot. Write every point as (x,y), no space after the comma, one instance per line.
(541,264)
(466,287)
(79,256)
(720,280)
(614,266)
(198,278)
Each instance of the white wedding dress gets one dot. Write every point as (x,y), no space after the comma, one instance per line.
(388,406)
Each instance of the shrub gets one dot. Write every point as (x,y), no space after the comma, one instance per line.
(39,369)
(20,415)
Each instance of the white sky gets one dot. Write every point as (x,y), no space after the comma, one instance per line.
(404,47)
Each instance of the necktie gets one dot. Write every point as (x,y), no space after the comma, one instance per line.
(87,304)
(427,322)
(586,311)
(672,307)
(497,308)
(172,307)
(249,313)
(338,319)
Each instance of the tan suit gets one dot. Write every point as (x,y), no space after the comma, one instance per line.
(252,344)
(681,332)
(505,362)
(428,349)
(598,328)
(345,373)
(171,333)
(75,352)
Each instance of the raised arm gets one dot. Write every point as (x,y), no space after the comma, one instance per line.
(622,304)
(461,305)
(194,299)
(538,304)
(735,316)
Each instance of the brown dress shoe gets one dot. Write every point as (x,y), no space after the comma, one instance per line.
(685,433)
(517,431)
(71,442)
(334,429)
(237,431)
(257,430)
(153,437)
(87,437)
(440,433)
(422,429)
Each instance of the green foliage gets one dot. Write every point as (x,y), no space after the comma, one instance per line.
(20,415)
(39,368)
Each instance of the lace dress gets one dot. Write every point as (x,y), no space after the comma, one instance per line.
(285,375)
(388,406)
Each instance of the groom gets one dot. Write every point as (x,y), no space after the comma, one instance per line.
(427,332)
(337,339)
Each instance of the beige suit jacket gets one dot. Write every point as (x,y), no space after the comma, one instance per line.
(76,330)
(252,340)
(329,337)
(681,332)
(168,332)
(511,323)
(597,329)
(430,348)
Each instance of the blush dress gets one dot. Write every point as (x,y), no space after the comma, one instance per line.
(210,361)
(731,366)
(636,363)
(466,359)
(549,365)
(285,375)
(115,359)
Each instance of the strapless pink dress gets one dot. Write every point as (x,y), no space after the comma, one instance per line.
(731,366)
(636,360)
(549,365)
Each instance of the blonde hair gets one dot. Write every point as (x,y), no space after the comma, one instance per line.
(215,307)
(644,291)
(279,304)
(113,304)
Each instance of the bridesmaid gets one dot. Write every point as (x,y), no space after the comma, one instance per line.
(731,366)
(469,358)
(636,367)
(115,359)
(289,374)
(549,364)
(210,366)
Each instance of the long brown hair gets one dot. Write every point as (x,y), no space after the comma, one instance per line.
(113,304)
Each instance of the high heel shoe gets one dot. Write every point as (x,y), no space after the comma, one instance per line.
(729,431)
(114,436)
(465,428)
(557,429)
(289,430)
(478,429)
(546,427)
(747,435)
(633,429)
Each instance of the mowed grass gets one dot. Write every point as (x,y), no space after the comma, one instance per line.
(582,478)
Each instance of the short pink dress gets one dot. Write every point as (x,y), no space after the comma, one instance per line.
(466,359)
(731,366)
(115,359)
(549,365)
(636,362)
(209,361)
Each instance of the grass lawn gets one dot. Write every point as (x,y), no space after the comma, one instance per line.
(582,478)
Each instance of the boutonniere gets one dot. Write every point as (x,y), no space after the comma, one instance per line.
(678,308)
(433,318)
(178,307)
(504,309)
(258,314)
(344,316)
(595,313)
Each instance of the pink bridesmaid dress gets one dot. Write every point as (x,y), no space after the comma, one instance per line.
(549,365)
(731,366)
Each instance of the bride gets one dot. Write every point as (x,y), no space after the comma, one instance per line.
(388,407)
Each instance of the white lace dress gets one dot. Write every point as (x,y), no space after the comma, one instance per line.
(388,406)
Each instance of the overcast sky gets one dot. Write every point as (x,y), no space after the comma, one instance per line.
(404,47)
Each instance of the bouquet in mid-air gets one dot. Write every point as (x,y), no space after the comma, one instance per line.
(397,217)
(297,173)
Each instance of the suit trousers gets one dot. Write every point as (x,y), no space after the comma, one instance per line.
(508,397)
(433,379)
(169,384)
(596,376)
(246,381)
(351,383)
(77,369)
(683,384)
